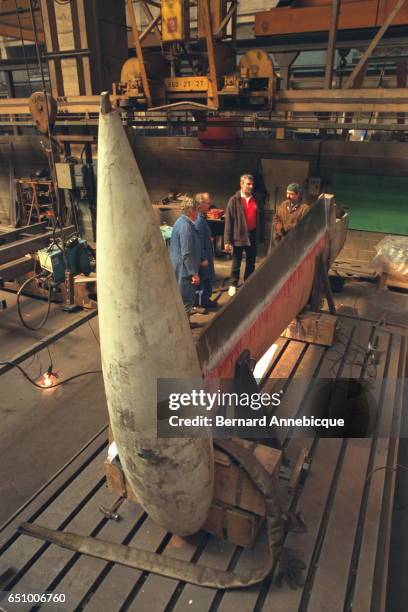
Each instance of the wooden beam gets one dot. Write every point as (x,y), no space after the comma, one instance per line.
(353,15)
(139,53)
(314,19)
(8,29)
(331,49)
(398,6)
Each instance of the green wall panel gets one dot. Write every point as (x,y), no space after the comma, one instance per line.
(377,203)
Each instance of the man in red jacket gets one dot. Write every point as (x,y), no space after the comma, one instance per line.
(241,219)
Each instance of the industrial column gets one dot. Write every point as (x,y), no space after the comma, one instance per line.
(86,42)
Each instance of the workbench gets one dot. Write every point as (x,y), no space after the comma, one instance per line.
(346,502)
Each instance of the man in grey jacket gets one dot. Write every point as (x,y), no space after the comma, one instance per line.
(241,220)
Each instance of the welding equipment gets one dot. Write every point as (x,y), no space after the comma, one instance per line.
(74,257)
(59,262)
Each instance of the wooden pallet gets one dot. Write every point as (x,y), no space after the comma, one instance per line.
(346,502)
(351,268)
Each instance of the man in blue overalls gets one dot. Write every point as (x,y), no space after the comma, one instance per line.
(204,290)
(185,253)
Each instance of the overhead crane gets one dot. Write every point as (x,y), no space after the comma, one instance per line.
(206,73)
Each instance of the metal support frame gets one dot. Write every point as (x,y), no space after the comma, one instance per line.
(9,252)
(69,300)
(150,27)
(368,52)
(67,54)
(321,287)
(154,22)
(232,11)
(12,270)
(285,61)
(255,123)
(332,44)
(75,110)
(358,84)
(210,52)
(22,232)
(139,53)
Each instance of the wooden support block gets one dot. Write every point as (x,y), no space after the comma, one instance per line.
(233,524)
(238,509)
(315,328)
(225,521)
(116,481)
(233,486)
(115,478)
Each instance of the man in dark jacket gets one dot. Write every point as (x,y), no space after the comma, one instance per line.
(241,219)
(204,290)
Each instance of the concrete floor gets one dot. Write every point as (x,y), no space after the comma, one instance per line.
(42,430)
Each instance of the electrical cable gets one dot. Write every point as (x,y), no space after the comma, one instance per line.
(386,467)
(73,377)
(58,384)
(74,216)
(19,308)
(354,351)
(49,355)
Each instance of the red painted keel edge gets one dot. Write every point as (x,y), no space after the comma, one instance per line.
(283,307)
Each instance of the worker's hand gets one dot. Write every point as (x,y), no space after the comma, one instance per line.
(195,279)
(204,263)
(228,247)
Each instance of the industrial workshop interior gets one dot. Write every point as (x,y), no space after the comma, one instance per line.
(203,305)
